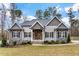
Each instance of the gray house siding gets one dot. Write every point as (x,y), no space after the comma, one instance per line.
(47,29)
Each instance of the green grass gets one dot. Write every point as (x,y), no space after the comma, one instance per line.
(29,50)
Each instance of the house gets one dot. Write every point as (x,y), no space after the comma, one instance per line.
(38,31)
(0,31)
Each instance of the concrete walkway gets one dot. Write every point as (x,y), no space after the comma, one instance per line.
(73,42)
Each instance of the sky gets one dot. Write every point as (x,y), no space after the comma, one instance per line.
(29,9)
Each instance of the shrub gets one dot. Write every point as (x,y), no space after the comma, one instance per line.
(45,42)
(49,42)
(57,42)
(23,43)
(29,42)
(63,42)
(53,42)
(14,43)
(4,42)
(68,39)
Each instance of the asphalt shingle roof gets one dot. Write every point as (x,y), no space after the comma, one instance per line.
(30,23)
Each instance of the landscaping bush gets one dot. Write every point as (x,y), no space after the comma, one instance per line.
(23,43)
(45,42)
(14,43)
(63,42)
(49,42)
(57,42)
(29,42)
(4,42)
(68,39)
(53,42)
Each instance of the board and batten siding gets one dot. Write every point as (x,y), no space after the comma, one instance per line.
(54,22)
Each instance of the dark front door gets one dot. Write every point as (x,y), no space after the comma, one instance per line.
(37,34)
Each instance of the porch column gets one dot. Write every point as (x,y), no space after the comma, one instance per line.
(55,35)
(22,36)
(10,35)
(31,35)
(43,35)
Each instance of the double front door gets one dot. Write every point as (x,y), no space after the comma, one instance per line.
(37,34)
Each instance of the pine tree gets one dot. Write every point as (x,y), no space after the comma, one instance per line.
(39,14)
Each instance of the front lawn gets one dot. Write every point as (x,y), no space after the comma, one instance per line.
(30,50)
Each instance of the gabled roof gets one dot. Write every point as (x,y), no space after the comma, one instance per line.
(16,24)
(61,25)
(30,23)
(42,22)
(38,23)
(53,19)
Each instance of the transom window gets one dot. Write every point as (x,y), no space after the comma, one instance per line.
(27,34)
(15,34)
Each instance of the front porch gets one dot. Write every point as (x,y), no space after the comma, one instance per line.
(37,34)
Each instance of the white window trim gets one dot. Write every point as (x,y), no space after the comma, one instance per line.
(15,34)
(28,34)
(49,35)
(62,34)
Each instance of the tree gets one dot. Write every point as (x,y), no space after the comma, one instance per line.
(46,14)
(59,15)
(68,39)
(18,13)
(71,16)
(12,12)
(3,15)
(39,14)
(15,12)
(50,9)
(53,12)
(70,13)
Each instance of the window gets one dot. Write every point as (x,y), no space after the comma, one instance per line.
(62,34)
(65,34)
(49,34)
(15,34)
(46,34)
(59,34)
(27,34)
